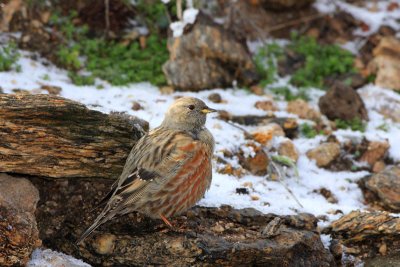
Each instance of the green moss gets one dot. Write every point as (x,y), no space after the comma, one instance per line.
(355,124)
(109,60)
(290,95)
(81,80)
(266,63)
(9,56)
(320,61)
(308,131)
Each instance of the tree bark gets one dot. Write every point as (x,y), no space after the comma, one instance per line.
(51,136)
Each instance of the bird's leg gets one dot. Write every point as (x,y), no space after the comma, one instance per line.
(166,221)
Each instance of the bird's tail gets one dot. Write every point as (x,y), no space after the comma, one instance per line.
(104,216)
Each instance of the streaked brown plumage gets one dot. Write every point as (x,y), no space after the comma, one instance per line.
(168,170)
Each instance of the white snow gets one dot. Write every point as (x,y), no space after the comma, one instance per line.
(189,17)
(49,258)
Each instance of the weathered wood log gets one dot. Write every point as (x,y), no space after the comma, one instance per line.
(55,137)
(201,237)
(367,234)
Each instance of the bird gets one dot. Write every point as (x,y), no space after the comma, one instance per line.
(167,171)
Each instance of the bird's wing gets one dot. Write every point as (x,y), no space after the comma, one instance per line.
(153,159)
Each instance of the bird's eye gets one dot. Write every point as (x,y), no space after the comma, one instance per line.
(191,107)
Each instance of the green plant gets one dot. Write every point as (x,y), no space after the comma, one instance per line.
(9,56)
(266,62)
(109,60)
(383,127)
(45,77)
(355,124)
(157,14)
(320,61)
(308,131)
(121,64)
(69,57)
(290,95)
(81,80)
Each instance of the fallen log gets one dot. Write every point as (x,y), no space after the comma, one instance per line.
(367,233)
(201,237)
(52,136)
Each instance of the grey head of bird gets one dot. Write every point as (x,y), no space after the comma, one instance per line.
(187,114)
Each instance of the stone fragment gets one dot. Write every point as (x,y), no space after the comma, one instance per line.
(104,244)
(215,98)
(342,102)
(324,154)
(257,90)
(378,166)
(302,109)
(19,234)
(266,105)
(257,162)
(386,63)
(264,134)
(288,149)
(386,186)
(375,152)
(52,90)
(136,106)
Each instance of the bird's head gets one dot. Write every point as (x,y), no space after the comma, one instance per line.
(187,113)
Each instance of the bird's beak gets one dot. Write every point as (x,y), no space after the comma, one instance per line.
(208,110)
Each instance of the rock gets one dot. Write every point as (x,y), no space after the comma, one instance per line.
(354,80)
(383,261)
(386,63)
(378,166)
(363,232)
(1,91)
(327,194)
(136,106)
(383,102)
(21,91)
(375,152)
(324,154)
(342,102)
(281,5)
(167,90)
(53,90)
(386,186)
(19,234)
(215,98)
(255,21)
(254,159)
(141,241)
(204,56)
(104,244)
(257,90)
(303,110)
(229,169)
(40,39)
(266,105)
(9,9)
(264,134)
(288,149)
